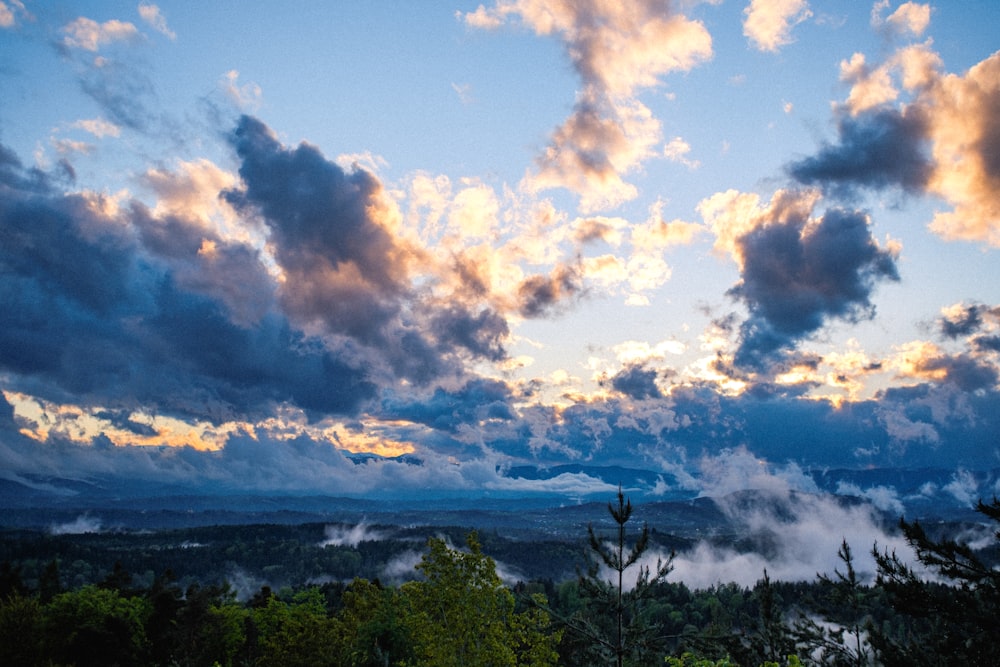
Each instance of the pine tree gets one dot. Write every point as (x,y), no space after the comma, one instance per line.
(950,622)
(613,621)
(842,640)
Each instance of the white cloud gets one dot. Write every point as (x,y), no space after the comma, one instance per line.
(617,49)
(245,96)
(769,23)
(151,15)
(87,34)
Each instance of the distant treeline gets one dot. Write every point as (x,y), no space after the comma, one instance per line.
(73,608)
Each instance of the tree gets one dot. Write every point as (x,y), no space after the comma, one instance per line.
(846,608)
(772,640)
(612,619)
(96,626)
(300,634)
(20,631)
(373,622)
(462,614)
(950,621)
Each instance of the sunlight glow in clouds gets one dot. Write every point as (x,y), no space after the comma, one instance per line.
(639,234)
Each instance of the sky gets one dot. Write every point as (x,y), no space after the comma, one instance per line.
(414,248)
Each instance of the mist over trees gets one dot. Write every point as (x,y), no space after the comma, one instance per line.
(455,609)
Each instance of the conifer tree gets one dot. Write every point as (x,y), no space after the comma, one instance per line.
(951,621)
(612,620)
(840,641)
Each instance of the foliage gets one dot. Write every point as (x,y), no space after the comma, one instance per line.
(373,625)
(62,609)
(462,614)
(615,621)
(296,634)
(95,626)
(841,641)
(949,622)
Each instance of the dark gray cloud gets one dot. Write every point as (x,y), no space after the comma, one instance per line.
(965,372)
(989,343)
(541,295)
(636,382)
(482,334)
(344,270)
(91,315)
(963,323)
(877,149)
(797,275)
(477,401)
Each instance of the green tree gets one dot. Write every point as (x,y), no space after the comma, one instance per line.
(300,634)
(463,615)
(950,622)
(845,607)
(96,626)
(772,640)
(373,622)
(613,619)
(20,631)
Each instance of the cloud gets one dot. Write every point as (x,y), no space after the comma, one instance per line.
(98,127)
(351,536)
(123,92)
(909,17)
(540,295)
(961,320)
(81,525)
(769,23)
(876,150)
(246,97)
(111,304)
(797,271)
(734,470)
(794,536)
(344,272)
(151,15)
(677,150)
(472,404)
(944,137)
(617,49)
(89,35)
(884,498)
(965,144)
(10,11)
(636,382)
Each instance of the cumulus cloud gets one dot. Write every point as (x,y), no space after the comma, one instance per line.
(909,18)
(965,144)
(617,49)
(541,295)
(978,323)
(942,135)
(143,300)
(10,11)
(636,382)
(876,150)
(797,271)
(768,24)
(344,271)
(89,35)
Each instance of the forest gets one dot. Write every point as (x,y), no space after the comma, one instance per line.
(107,599)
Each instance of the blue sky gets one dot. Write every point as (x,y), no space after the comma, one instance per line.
(243,246)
